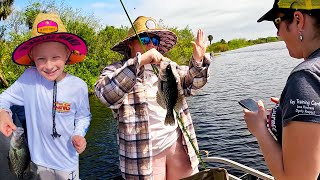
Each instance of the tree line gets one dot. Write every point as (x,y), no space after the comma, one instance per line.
(15,28)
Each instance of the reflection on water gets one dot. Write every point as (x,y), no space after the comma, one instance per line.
(100,159)
(256,72)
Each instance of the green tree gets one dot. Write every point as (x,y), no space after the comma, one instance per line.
(182,51)
(222,41)
(237,43)
(5,11)
(210,37)
(2,30)
(31,13)
(5,8)
(35,8)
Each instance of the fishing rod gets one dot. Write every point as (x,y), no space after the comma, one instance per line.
(156,72)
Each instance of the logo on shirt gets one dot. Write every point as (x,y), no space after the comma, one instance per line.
(62,107)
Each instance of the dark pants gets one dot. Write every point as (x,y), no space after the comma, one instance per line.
(19,119)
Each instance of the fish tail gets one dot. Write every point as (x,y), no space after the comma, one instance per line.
(169,120)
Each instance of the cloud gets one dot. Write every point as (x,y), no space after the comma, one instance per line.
(227,19)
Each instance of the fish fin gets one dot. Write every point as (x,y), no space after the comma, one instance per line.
(179,103)
(169,120)
(25,174)
(9,163)
(29,174)
(27,171)
(160,100)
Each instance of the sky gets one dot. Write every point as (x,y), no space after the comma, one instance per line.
(226,19)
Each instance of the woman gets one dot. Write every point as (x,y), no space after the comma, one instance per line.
(296,155)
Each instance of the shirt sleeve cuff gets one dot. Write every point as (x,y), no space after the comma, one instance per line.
(206,60)
(138,56)
(6,110)
(79,133)
(198,64)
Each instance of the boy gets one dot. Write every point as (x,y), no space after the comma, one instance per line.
(56,103)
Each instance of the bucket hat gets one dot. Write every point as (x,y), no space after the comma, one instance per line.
(145,24)
(48,27)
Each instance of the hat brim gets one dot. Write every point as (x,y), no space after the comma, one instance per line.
(75,44)
(167,40)
(269,16)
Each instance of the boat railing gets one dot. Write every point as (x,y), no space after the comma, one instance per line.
(247,170)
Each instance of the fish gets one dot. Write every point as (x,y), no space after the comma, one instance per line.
(19,156)
(169,95)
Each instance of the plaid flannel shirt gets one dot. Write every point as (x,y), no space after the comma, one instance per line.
(120,87)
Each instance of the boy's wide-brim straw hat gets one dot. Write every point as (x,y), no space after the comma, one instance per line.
(148,25)
(289,4)
(48,27)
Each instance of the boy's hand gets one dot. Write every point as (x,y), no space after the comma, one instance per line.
(79,143)
(6,124)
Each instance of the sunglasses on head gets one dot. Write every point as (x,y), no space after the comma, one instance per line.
(278,20)
(146,40)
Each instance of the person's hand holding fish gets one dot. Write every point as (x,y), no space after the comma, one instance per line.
(152,56)
(199,46)
(6,123)
(79,143)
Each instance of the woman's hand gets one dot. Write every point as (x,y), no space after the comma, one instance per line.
(274,100)
(199,46)
(256,121)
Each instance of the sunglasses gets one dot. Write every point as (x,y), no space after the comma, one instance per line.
(278,20)
(146,40)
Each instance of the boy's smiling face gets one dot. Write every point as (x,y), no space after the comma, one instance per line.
(50,59)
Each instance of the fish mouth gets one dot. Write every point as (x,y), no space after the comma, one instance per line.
(18,132)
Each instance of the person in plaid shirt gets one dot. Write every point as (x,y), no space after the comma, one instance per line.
(149,149)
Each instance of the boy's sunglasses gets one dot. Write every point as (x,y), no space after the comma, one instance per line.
(278,20)
(146,40)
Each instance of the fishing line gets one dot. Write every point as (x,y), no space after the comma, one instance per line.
(156,72)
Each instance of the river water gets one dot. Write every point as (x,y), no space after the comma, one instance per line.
(257,72)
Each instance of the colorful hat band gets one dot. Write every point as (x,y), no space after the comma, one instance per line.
(47,26)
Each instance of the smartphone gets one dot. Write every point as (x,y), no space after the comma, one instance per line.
(249,104)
